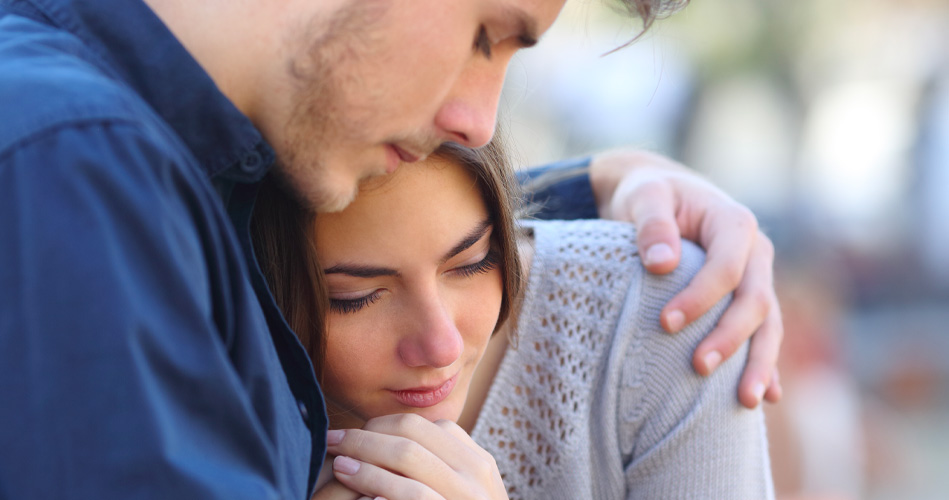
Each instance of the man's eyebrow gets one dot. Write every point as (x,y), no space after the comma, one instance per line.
(526,26)
(470,239)
(359,271)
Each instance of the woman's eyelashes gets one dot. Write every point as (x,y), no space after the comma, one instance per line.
(488,263)
(349,306)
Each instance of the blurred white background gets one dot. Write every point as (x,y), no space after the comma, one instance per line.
(830,119)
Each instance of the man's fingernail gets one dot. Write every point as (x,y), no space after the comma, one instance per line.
(659,253)
(712,359)
(334,437)
(345,465)
(758,391)
(675,320)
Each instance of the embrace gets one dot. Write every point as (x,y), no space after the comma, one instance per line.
(262,249)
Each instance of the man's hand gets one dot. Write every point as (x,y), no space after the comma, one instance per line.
(668,201)
(404,456)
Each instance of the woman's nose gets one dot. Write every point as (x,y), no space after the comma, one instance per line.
(434,340)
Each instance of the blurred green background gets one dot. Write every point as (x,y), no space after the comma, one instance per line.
(830,119)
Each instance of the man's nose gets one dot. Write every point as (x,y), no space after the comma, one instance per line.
(469,113)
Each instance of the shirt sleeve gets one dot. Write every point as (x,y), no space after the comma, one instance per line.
(560,190)
(117,380)
(683,435)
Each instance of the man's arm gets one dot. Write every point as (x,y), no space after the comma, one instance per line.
(117,382)
(668,202)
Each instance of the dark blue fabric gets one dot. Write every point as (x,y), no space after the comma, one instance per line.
(142,355)
(568,197)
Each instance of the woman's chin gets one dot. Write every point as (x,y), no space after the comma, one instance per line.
(446,410)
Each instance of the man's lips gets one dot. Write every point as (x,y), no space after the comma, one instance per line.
(405,155)
(423,397)
(396,155)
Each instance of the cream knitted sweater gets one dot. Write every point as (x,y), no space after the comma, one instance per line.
(597,402)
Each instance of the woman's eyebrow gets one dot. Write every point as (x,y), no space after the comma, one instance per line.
(359,271)
(470,239)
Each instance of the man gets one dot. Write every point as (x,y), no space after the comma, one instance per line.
(143,354)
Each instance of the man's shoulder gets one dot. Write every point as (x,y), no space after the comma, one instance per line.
(50,80)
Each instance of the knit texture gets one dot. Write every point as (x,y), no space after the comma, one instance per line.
(596,401)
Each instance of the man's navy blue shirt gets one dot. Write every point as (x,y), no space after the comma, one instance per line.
(142,355)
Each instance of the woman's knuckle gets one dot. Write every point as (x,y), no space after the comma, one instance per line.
(405,451)
(408,422)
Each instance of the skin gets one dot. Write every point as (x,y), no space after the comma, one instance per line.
(666,200)
(340,87)
(414,293)
(415,296)
(413,321)
(344,90)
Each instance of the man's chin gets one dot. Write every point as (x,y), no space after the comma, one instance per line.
(328,202)
(318,193)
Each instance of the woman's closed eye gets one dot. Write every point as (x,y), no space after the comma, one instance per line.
(349,306)
(488,263)
(356,304)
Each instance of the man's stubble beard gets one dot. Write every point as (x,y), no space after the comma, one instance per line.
(318,118)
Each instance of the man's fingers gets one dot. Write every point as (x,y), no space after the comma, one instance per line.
(753,301)
(740,258)
(712,283)
(373,481)
(762,360)
(774,392)
(651,205)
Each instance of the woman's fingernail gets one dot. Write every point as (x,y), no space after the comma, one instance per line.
(675,320)
(659,253)
(334,437)
(712,360)
(345,465)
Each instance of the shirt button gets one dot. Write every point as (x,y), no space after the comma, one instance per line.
(251,163)
(303,411)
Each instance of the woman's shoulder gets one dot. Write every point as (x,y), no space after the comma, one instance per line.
(606,246)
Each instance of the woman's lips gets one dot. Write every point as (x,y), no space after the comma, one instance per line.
(423,397)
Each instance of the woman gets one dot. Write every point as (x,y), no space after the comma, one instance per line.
(408,303)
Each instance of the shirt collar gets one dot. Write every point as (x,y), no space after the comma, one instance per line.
(138,48)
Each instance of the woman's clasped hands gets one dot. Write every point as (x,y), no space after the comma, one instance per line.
(405,456)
